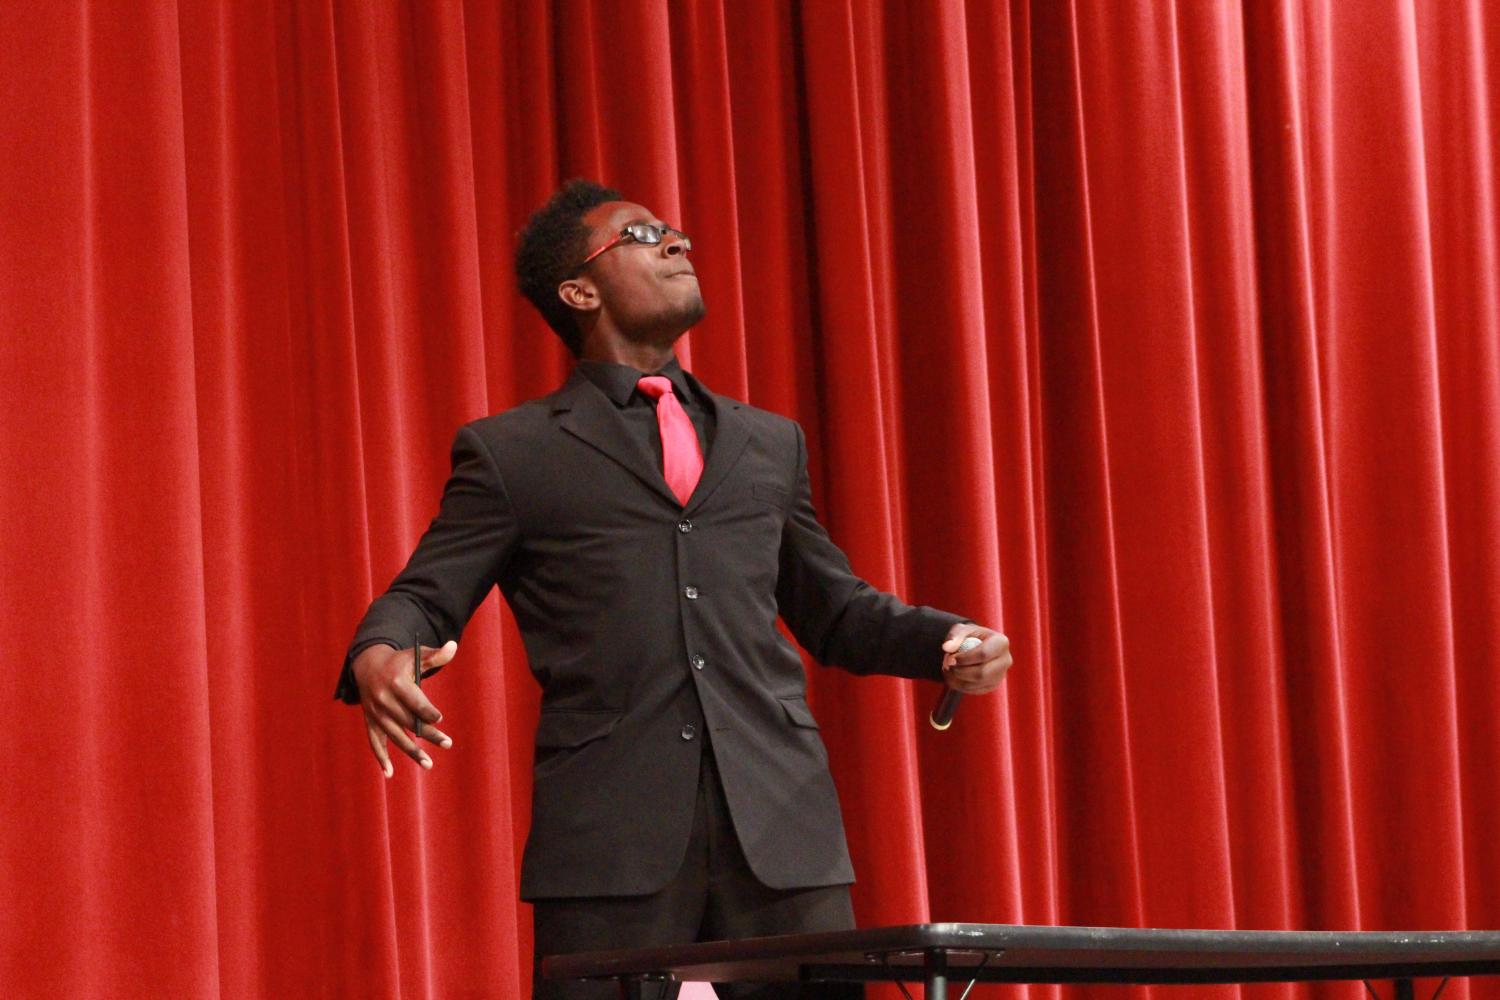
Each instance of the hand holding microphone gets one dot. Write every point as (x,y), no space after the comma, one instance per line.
(975,662)
(942,716)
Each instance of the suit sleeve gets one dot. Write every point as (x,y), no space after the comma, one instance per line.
(455,564)
(839,618)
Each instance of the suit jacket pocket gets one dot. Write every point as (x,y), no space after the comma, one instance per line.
(799,713)
(561,727)
(773,495)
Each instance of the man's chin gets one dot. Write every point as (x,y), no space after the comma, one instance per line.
(669,327)
(692,313)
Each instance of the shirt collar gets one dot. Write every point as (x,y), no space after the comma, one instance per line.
(618,381)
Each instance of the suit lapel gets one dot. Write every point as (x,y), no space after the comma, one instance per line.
(731,434)
(587,414)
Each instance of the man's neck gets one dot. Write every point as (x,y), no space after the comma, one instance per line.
(641,357)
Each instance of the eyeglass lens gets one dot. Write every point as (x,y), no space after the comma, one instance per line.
(650,235)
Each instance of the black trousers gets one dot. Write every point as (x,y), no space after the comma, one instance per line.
(714,896)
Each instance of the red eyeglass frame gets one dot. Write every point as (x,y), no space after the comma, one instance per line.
(626,234)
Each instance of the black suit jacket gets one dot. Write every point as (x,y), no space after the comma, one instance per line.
(651,628)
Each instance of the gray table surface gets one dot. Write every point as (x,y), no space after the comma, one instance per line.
(1044,954)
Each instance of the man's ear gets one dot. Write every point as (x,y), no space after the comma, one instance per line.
(579,293)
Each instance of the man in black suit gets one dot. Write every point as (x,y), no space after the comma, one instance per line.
(646,533)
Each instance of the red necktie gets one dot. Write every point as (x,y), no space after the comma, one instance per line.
(681,459)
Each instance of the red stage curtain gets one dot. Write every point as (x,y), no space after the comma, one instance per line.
(1164,335)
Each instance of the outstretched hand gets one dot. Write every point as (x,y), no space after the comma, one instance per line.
(393,703)
(978,670)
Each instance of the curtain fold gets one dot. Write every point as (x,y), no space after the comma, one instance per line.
(1163,335)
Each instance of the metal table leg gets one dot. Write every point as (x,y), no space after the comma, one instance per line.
(935,974)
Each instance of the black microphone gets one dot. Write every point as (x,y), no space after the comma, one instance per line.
(942,716)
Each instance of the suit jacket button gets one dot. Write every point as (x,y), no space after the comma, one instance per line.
(699,662)
(691,593)
(684,526)
(689,731)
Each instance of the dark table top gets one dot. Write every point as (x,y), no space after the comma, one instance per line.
(1037,954)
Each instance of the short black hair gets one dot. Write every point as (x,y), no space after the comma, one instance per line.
(550,249)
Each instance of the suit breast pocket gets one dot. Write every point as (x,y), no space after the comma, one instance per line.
(773,495)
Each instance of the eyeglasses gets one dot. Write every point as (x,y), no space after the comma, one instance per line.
(646,233)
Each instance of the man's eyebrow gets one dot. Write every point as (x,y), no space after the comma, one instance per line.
(652,222)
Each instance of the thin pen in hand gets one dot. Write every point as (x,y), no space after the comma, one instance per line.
(416,676)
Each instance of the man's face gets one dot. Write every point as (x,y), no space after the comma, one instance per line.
(650,293)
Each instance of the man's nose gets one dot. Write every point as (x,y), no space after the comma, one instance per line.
(672,246)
